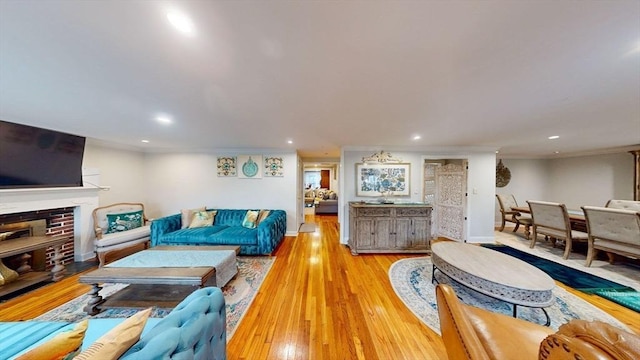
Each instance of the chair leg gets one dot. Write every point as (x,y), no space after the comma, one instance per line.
(567,248)
(101,258)
(533,238)
(591,253)
(503,224)
(516,227)
(526,231)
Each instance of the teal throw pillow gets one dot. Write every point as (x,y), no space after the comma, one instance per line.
(124,221)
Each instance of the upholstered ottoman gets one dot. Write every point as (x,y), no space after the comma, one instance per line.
(223,259)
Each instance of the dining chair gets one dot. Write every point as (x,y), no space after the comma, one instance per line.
(623,204)
(507,202)
(612,230)
(552,220)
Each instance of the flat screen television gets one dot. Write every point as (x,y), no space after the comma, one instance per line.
(35,157)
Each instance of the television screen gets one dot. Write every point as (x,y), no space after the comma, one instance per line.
(35,157)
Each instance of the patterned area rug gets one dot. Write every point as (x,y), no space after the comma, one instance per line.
(411,280)
(238,294)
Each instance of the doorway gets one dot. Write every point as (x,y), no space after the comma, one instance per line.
(445,188)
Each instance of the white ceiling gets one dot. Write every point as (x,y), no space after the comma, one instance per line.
(328,74)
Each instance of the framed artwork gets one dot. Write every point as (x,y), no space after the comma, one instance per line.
(273,166)
(227,166)
(382,179)
(249,166)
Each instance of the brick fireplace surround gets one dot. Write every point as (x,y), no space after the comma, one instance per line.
(67,210)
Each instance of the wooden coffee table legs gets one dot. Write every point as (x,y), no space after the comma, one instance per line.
(95,300)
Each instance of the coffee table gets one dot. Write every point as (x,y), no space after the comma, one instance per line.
(162,275)
(494,274)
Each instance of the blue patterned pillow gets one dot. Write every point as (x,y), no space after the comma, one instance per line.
(251,219)
(124,221)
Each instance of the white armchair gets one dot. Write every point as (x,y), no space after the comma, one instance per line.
(612,230)
(119,226)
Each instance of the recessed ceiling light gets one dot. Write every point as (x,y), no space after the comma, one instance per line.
(417,137)
(556,152)
(553,137)
(181,22)
(497,151)
(145,141)
(163,119)
(289,141)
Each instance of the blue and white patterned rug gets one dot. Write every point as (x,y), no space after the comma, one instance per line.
(411,280)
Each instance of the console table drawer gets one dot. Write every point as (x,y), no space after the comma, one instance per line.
(374,212)
(412,212)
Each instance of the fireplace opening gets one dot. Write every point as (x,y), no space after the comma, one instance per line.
(35,259)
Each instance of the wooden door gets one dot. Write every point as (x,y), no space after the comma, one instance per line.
(325,179)
(451,201)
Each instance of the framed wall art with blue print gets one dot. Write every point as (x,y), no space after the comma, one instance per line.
(382,179)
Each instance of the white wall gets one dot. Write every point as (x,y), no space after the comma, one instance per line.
(591,180)
(178,181)
(574,181)
(529,181)
(481,177)
(122,171)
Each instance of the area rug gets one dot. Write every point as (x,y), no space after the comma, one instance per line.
(307,228)
(411,280)
(625,276)
(239,293)
(620,272)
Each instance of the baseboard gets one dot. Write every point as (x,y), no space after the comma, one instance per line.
(481,240)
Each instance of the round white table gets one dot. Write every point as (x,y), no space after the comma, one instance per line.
(494,274)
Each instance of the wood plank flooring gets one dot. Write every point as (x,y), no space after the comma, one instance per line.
(318,302)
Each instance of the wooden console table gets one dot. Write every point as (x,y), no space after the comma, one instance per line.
(389,228)
(23,245)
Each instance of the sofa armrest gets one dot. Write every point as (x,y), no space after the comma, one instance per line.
(195,329)
(271,231)
(163,226)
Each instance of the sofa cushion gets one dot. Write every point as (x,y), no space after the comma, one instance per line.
(191,236)
(124,221)
(235,235)
(15,337)
(202,219)
(231,217)
(250,219)
(117,340)
(187,215)
(112,239)
(63,345)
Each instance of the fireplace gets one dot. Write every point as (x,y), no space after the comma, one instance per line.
(59,222)
(79,201)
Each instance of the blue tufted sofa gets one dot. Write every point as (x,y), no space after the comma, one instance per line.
(227,229)
(195,329)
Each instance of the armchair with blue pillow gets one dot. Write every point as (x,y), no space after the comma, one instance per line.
(119,226)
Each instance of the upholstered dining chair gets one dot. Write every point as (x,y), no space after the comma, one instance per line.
(623,204)
(612,230)
(507,202)
(552,220)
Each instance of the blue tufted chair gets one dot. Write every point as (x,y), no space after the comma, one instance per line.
(195,329)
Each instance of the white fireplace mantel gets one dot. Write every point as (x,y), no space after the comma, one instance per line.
(82,199)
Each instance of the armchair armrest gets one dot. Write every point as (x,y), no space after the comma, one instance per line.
(98,232)
(163,226)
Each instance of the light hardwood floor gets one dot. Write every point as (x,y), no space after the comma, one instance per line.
(318,302)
